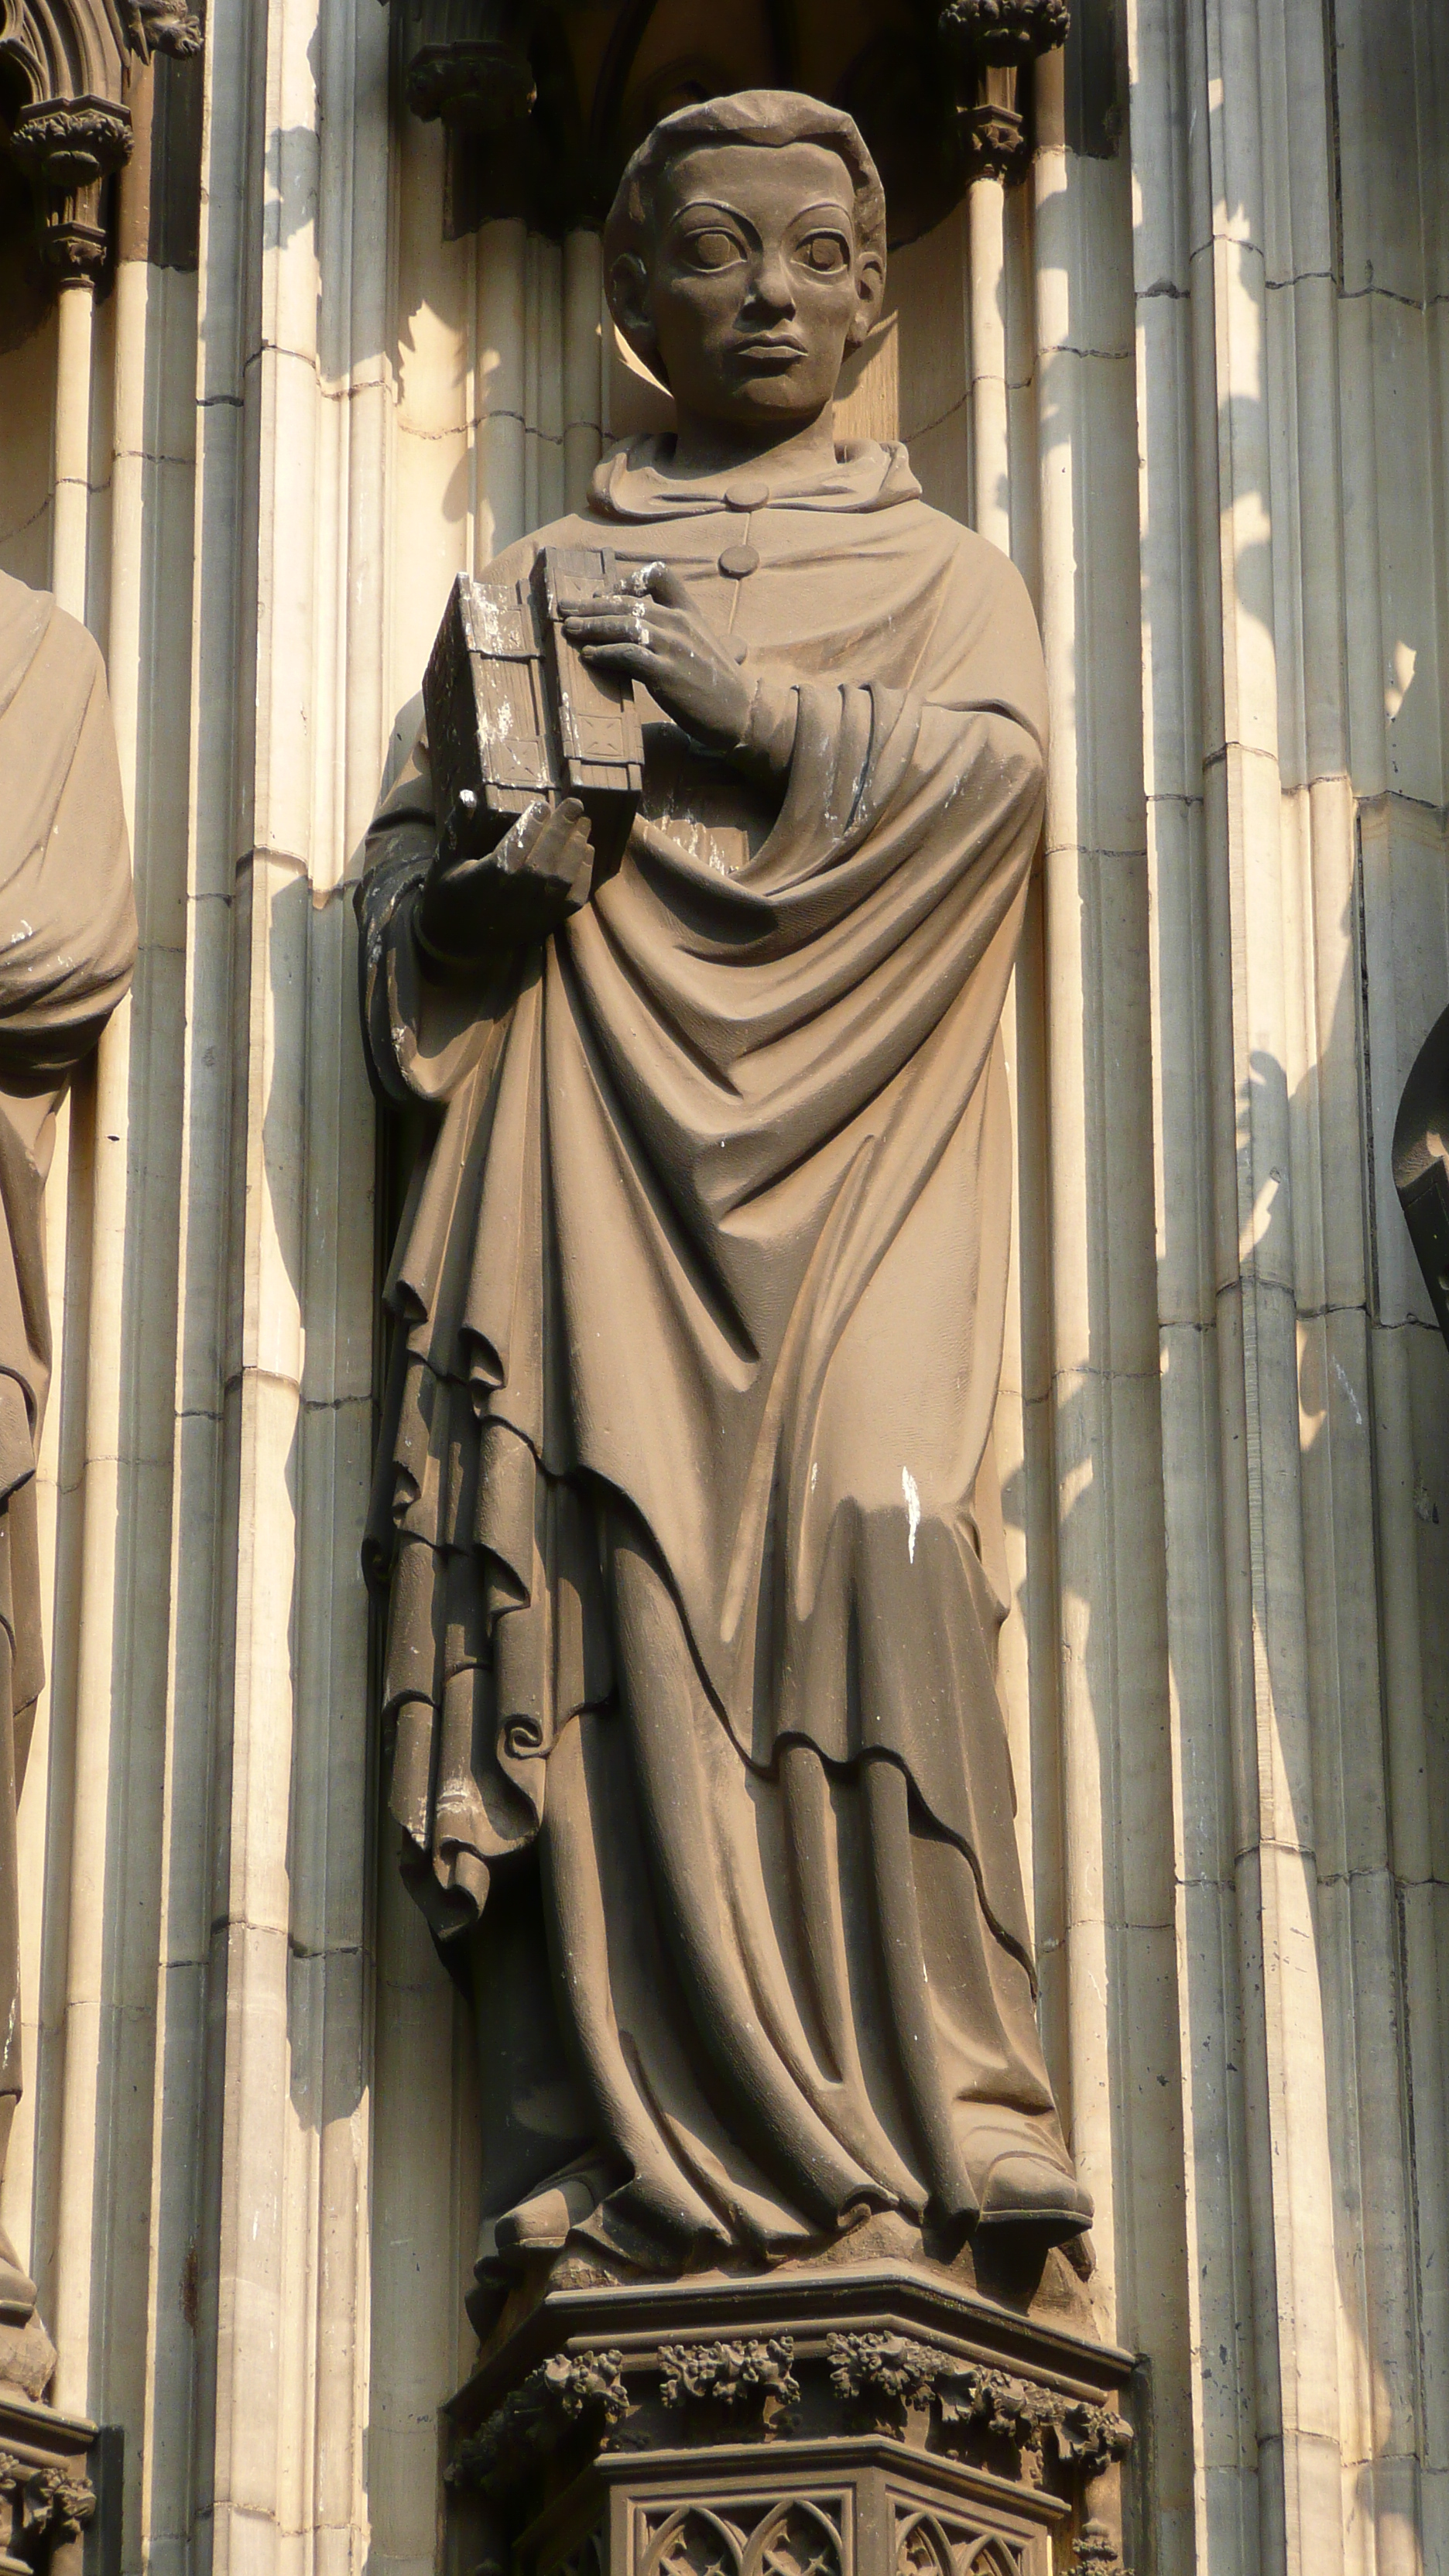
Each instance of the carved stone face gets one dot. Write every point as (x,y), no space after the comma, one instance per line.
(755,286)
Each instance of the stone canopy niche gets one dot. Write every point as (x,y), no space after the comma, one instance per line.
(544,100)
(689,915)
(65,119)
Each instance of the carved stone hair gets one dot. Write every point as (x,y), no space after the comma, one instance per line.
(765,116)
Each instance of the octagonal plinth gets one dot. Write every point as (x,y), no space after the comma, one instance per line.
(851,2421)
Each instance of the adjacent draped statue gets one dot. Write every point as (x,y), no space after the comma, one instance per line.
(685,1514)
(67,948)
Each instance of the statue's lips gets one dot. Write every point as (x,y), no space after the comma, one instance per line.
(771,355)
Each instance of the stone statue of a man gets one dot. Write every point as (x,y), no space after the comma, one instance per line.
(685,1506)
(67,948)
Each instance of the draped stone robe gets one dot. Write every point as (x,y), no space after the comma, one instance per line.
(67,948)
(685,1500)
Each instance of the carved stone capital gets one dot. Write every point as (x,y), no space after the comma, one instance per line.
(1004,30)
(74,251)
(990,44)
(1096,2553)
(994,137)
(482,86)
(67,147)
(66,144)
(468,63)
(66,63)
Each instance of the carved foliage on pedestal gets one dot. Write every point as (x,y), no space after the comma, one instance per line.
(63,117)
(879,2380)
(562,2391)
(732,2372)
(890,2374)
(42,2506)
(855,2422)
(787,2444)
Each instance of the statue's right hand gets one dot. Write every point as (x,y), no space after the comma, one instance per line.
(511,896)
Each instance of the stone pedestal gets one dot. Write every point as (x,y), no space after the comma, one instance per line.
(46,2498)
(859,2421)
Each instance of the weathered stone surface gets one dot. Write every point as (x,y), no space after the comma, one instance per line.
(27,2358)
(1167,372)
(684,1523)
(871,2418)
(47,2501)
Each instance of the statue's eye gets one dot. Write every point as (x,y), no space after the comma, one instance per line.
(714,248)
(825,252)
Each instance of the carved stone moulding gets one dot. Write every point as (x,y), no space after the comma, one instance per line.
(67,144)
(992,43)
(860,2421)
(467,62)
(545,99)
(46,2498)
(64,119)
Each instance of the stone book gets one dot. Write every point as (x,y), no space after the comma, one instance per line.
(514,714)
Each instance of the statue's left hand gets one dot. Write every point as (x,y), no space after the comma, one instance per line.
(473,905)
(652,629)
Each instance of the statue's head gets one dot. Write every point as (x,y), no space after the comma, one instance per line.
(744,255)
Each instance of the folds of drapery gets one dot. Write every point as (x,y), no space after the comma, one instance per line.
(67,949)
(714,1220)
(67,915)
(781,1992)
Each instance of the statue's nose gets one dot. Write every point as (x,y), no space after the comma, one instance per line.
(770,283)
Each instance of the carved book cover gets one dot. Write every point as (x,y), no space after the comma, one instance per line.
(514,714)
